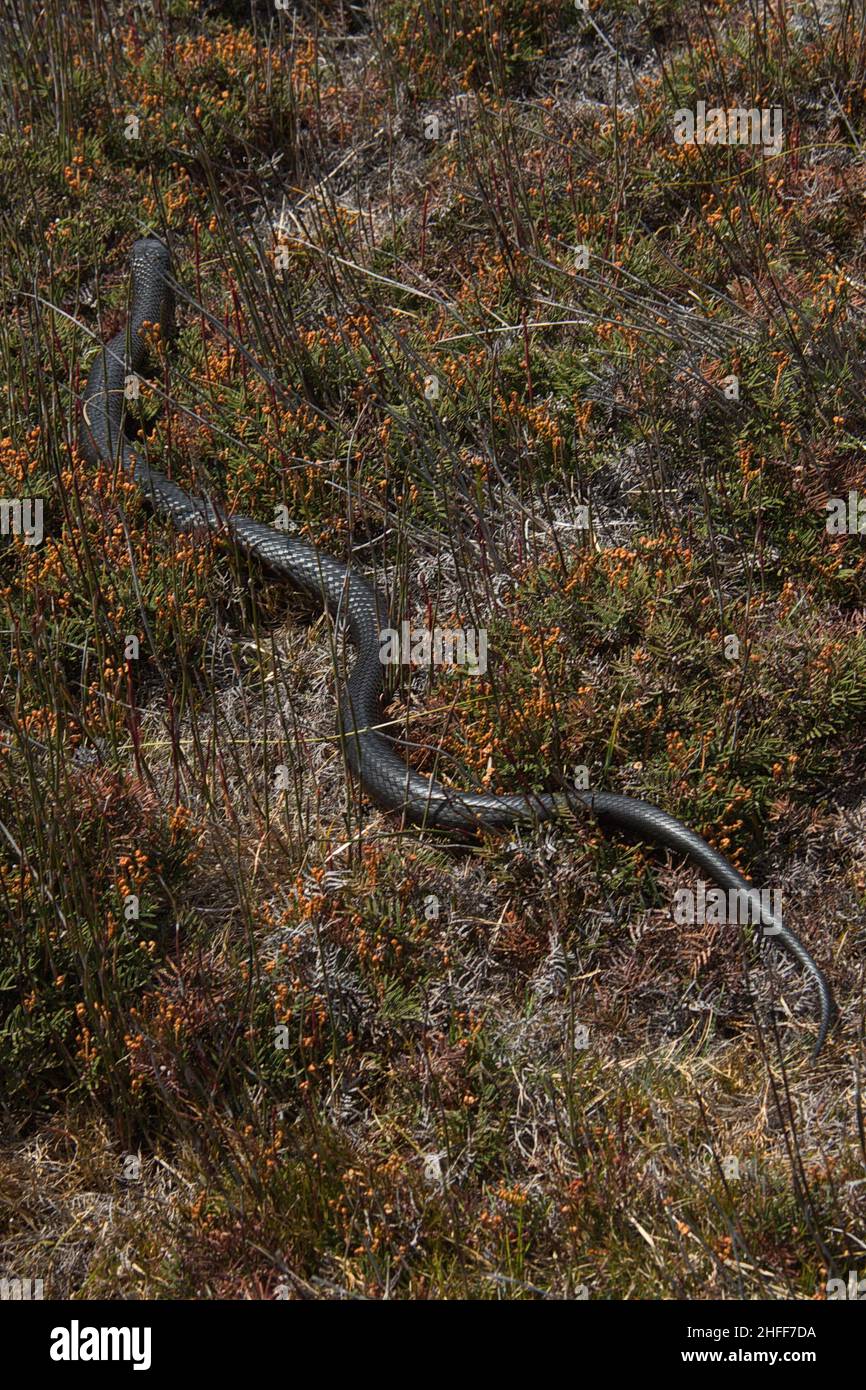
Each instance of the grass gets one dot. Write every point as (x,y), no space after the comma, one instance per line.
(258,1039)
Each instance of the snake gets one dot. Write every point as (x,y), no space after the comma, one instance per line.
(372,758)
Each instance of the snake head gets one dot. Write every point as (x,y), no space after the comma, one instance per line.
(150,262)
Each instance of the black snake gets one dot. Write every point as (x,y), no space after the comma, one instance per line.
(371,756)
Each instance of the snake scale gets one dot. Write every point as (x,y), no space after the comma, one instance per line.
(371,757)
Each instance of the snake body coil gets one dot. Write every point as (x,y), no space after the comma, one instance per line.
(371,756)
